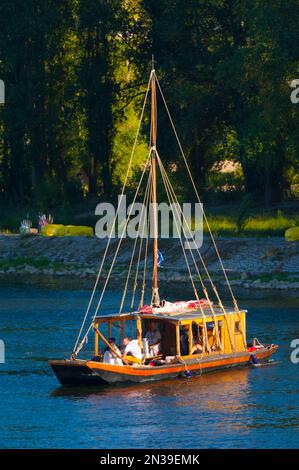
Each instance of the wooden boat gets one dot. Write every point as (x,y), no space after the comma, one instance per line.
(214,335)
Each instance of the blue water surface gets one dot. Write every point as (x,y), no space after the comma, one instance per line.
(248,408)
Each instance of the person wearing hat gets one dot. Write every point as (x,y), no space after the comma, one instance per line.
(109,356)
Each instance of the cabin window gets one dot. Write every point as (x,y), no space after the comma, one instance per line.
(237,327)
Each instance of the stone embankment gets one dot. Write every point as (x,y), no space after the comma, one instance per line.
(266,263)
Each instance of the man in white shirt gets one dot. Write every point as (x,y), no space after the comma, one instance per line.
(131,348)
(154,339)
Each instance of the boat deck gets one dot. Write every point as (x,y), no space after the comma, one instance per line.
(190,314)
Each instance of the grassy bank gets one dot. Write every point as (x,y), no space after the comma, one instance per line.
(260,225)
(224,220)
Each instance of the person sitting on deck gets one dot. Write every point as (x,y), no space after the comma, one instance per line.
(154,339)
(184,340)
(197,338)
(109,356)
(131,350)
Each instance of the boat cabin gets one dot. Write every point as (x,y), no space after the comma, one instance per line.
(217,333)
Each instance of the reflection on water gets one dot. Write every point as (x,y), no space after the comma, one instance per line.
(233,383)
(240,408)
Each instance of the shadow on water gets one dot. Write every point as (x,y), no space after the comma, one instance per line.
(231,381)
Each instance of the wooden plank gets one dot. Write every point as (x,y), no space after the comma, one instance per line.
(178,342)
(96,344)
(190,338)
(139,330)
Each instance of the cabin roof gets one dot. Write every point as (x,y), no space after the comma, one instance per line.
(179,316)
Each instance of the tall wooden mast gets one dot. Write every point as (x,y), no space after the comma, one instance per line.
(155,292)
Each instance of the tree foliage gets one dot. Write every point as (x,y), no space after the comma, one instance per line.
(75,74)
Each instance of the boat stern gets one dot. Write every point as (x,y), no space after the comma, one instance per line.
(75,372)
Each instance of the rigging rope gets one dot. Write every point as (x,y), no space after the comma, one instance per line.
(205,291)
(197,195)
(115,255)
(186,259)
(236,307)
(114,221)
(145,257)
(171,197)
(143,220)
(141,242)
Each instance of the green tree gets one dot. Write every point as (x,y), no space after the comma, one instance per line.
(187,40)
(261,61)
(99,32)
(226,66)
(36,53)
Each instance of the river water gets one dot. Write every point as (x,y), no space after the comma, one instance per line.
(248,408)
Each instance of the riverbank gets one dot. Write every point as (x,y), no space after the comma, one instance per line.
(259,264)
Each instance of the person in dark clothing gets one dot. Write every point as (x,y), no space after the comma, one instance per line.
(184,340)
